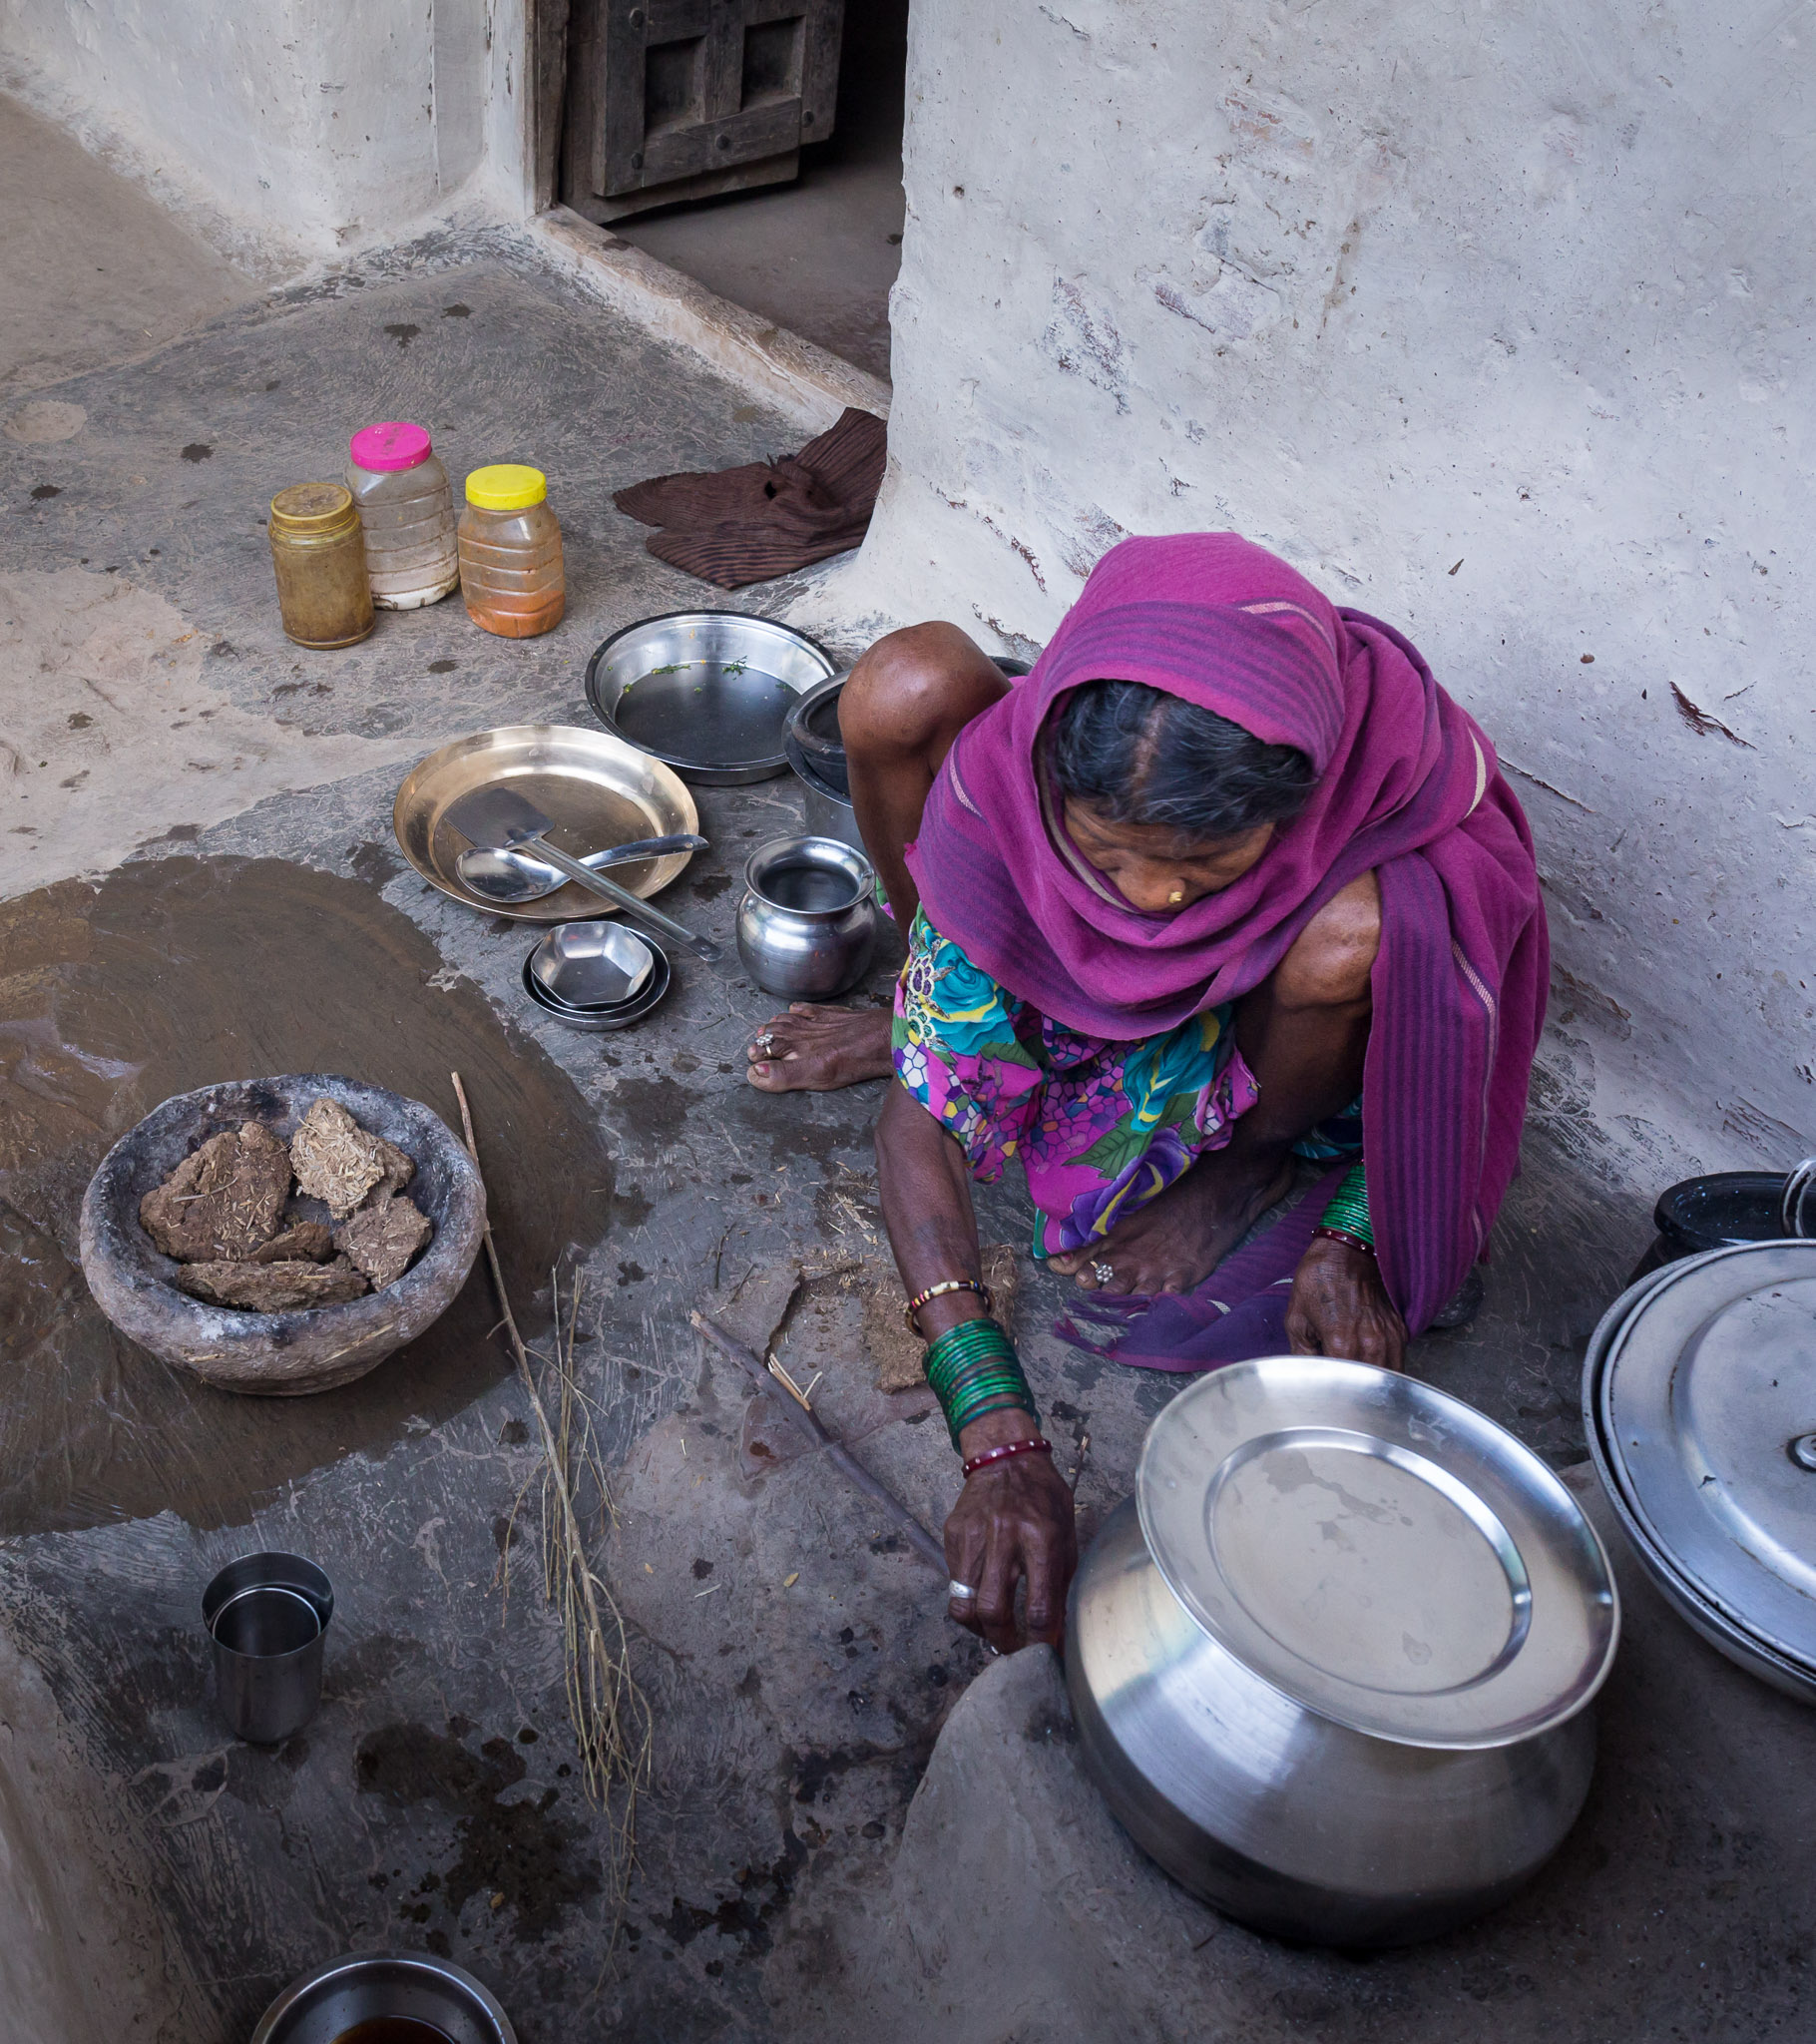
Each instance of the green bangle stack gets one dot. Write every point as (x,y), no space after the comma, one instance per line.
(973,1370)
(1348,1209)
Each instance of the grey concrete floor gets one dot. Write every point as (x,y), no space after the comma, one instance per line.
(819,255)
(201,882)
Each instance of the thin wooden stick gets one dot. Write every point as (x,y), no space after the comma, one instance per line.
(611,1721)
(804,1416)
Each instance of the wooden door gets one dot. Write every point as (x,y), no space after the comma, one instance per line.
(684,99)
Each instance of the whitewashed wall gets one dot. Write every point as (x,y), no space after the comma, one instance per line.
(318,124)
(1494,319)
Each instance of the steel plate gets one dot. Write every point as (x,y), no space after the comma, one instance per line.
(1378,1551)
(1701,1395)
(599,791)
(706,691)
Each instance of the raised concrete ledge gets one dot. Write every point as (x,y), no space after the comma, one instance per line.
(799,377)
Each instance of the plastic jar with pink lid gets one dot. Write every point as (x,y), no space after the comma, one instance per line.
(407,508)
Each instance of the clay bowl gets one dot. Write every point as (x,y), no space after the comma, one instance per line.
(276,1354)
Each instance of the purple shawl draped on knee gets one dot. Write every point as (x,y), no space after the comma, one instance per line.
(1408,788)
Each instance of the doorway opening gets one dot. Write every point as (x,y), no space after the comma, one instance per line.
(709,152)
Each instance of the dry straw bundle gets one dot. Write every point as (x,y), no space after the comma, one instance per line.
(609,1715)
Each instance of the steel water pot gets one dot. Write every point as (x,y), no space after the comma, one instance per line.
(806,926)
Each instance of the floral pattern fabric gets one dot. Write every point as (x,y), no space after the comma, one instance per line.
(1101,1127)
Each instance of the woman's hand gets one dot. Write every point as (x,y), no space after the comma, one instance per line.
(1339,1306)
(1012,1521)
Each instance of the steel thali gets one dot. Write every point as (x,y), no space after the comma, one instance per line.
(599,789)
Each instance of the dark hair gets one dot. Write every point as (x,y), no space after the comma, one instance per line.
(1138,756)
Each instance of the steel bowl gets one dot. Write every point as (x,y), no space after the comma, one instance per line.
(335,1998)
(705,692)
(1332,1667)
(594,965)
(827,814)
(597,1020)
(806,926)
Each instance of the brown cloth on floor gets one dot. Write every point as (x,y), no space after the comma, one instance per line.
(770,517)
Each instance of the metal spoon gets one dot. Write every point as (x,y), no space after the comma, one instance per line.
(517,876)
(499,818)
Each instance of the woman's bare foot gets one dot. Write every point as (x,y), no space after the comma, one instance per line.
(1183,1235)
(818,1050)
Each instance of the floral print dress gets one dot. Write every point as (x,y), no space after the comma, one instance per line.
(1101,1127)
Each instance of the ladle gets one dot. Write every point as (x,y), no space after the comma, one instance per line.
(500,820)
(519,877)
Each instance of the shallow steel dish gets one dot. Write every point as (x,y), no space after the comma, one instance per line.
(706,691)
(599,791)
(596,1020)
(1295,1656)
(326,2003)
(594,965)
(1378,1550)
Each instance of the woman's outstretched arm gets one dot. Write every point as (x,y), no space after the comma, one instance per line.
(1012,1521)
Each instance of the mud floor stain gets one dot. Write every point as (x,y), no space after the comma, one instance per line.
(518,1855)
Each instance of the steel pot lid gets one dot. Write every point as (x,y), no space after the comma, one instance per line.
(1378,1551)
(1707,1404)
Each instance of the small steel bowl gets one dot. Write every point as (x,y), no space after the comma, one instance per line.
(332,2000)
(594,965)
(705,692)
(618,1015)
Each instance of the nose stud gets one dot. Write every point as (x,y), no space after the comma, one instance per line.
(1177,896)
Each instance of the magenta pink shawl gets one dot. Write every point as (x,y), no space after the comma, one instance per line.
(1408,788)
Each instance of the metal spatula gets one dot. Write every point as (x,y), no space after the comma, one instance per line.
(500,820)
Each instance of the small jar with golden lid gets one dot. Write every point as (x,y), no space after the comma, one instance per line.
(319,552)
(509,552)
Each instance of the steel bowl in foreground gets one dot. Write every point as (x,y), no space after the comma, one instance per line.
(335,1998)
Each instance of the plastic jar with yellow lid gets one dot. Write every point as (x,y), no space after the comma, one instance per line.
(510,553)
(319,553)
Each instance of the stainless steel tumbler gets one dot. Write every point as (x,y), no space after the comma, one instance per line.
(266,1615)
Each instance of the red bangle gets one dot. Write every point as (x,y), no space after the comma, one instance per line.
(1001,1454)
(1343,1236)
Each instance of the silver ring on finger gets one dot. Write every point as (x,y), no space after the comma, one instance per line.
(1103,1273)
(961,1593)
